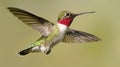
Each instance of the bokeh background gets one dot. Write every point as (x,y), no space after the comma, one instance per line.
(105,23)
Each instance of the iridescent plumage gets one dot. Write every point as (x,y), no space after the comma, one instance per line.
(51,33)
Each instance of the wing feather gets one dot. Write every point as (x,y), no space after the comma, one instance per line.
(38,23)
(74,36)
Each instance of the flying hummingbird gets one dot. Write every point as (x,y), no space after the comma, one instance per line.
(52,34)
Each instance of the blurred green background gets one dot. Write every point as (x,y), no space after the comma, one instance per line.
(105,23)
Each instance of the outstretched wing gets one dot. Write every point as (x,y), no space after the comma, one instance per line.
(37,23)
(74,36)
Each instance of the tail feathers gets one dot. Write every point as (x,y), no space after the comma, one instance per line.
(25,51)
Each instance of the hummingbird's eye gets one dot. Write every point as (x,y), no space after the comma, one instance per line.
(67,14)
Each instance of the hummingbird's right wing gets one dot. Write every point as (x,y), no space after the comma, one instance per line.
(37,23)
(75,36)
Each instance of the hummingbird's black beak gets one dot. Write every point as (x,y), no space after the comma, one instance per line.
(84,13)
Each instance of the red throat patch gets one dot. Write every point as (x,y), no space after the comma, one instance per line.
(66,21)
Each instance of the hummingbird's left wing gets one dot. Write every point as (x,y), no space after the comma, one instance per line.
(37,23)
(75,36)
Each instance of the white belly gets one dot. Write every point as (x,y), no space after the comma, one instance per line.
(49,45)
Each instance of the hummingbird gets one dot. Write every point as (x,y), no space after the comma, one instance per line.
(52,33)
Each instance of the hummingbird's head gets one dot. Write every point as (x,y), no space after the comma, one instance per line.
(66,17)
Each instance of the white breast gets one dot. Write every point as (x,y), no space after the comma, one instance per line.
(62,27)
